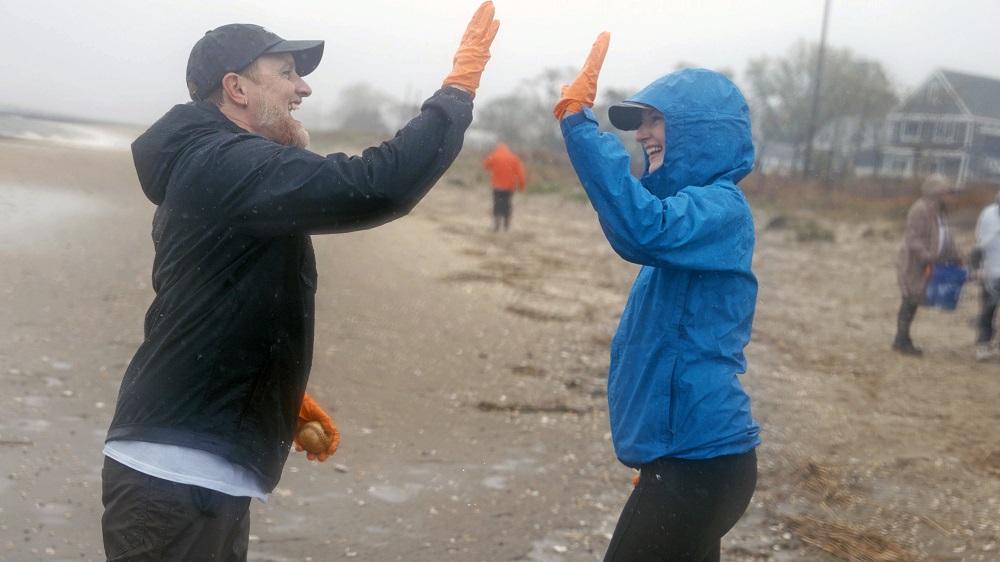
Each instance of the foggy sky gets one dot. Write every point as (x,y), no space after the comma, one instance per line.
(124,60)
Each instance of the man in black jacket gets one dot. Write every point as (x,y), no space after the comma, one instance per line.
(214,397)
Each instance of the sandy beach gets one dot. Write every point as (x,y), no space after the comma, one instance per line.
(466,370)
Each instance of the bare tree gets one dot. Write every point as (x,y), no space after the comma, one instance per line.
(524,117)
(780,94)
(361,107)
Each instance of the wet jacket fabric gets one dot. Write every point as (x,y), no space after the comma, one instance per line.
(506,168)
(229,335)
(673,389)
(922,247)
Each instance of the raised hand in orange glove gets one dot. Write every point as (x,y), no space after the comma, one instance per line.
(311,411)
(474,51)
(583,90)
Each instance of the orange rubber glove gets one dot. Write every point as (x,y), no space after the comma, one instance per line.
(311,411)
(583,90)
(474,51)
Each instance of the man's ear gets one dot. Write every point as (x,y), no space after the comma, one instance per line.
(232,87)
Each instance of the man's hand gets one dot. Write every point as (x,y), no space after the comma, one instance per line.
(311,411)
(583,90)
(474,51)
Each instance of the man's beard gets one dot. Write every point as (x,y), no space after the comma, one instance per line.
(276,124)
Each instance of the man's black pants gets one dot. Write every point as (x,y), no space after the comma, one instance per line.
(987,310)
(502,206)
(147,518)
(681,508)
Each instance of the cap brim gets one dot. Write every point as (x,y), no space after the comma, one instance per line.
(626,115)
(307,54)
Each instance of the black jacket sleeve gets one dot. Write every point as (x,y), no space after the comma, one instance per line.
(266,189)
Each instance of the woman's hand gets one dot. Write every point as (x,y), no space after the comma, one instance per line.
(582,92)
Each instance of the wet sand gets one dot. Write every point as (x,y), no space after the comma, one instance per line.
(466,371)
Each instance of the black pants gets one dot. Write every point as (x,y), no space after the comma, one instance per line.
(502,208)
(904,319)
(680,509)
(147,518)
(987,311)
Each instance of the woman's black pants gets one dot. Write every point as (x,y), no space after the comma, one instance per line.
(681,508)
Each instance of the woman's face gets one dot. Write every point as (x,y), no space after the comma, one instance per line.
(652,135)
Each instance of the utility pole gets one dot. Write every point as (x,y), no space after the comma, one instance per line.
(817,81)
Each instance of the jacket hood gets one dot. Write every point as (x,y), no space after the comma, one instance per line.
(502,150)
(708,132)
(155,151)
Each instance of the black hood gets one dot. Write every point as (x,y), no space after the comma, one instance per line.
(155,151)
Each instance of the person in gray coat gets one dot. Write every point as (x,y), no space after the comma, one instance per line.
(927,241)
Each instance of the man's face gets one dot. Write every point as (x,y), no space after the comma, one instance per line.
(274,92)
(652,135)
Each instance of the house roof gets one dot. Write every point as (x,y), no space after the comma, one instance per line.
(979,93)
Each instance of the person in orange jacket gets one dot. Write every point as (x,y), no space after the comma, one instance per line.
(508,176)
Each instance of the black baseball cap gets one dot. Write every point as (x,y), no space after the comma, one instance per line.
(627,115)
(231,48)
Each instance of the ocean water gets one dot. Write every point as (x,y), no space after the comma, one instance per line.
(69,133)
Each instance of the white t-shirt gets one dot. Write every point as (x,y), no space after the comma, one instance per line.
(942,235)
(988,240)
(185,465)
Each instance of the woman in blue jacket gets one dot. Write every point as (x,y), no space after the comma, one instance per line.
(678,412)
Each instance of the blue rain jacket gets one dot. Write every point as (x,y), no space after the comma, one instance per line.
(672,384)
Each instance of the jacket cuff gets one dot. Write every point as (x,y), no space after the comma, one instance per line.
(574,119)
(454,103)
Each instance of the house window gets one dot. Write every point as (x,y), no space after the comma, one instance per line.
(897,166)
(991,166)
(948,166)
(909,131)
(944,131)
